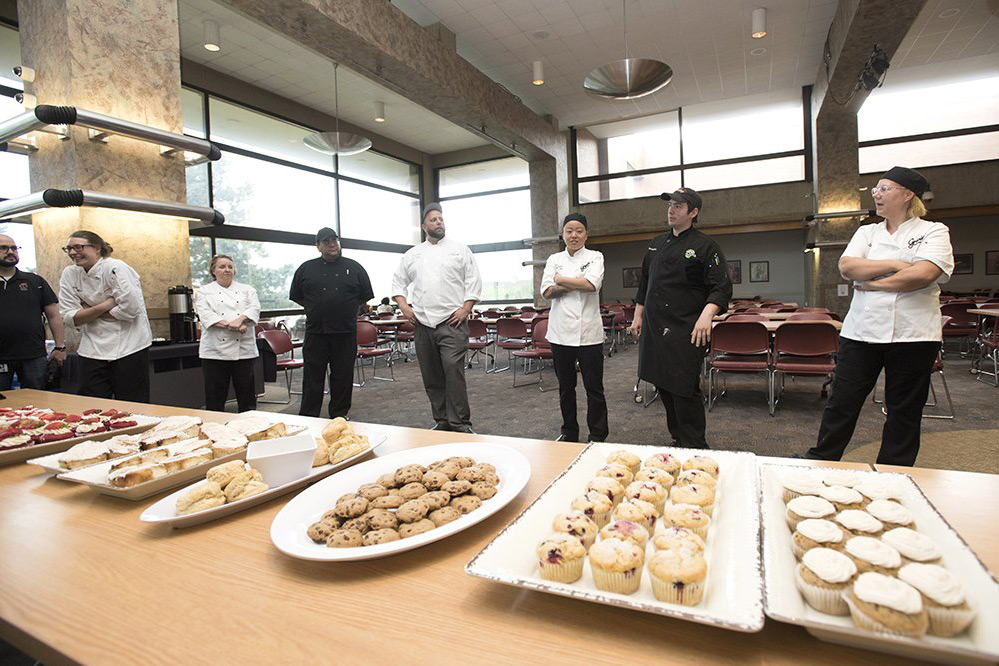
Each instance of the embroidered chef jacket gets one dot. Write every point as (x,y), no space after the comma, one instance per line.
(437,279)
(215,303)
(574,320)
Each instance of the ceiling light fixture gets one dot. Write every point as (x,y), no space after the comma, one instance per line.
(379,112)
(539,74)
(630,78)
(759,23)
(337,142)
(949,13)
(211,42)
(758,51)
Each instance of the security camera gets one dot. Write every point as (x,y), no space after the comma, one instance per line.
(927,195)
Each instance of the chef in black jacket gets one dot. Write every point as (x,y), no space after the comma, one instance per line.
(330,287)
(684,284)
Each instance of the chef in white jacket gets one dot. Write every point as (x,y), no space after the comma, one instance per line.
(102,297)
(228,311)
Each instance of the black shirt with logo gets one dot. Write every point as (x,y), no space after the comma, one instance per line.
(331,292)
(22,300)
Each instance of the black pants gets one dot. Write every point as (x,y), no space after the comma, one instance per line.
(685,417)
(126,378)
(337,352)
(217,377)
(907,367)
(591,365)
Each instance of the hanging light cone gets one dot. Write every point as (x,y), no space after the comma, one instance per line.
(629,78)
(337,142)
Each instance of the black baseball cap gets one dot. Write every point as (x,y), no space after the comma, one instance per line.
(908,178)
(685,194)
(325,233)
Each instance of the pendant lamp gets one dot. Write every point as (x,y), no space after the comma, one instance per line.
(629,78)
(337,142)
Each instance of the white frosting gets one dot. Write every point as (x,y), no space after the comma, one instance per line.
(807,506)
(84,451)
(823,531)
(876,552)
(841,477)
(803,483)
(877,488)
(90,427)
(875,588)
(859,521)
(829,565)
(889,512)
(912,544)
(841,495)
(935,582)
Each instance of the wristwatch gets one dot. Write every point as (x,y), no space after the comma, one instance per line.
(63,348)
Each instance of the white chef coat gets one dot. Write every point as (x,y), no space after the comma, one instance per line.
(215,303)
(575,320)
(101,339)
(439,278)
(888,316)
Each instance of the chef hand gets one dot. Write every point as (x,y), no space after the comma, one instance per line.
(458,316)
(407,312)
(221,323)
(242,329)
(58,356)
(237,324)
(701,335)
(107,305)
(636,328)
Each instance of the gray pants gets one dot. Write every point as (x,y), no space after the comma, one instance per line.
(441,354)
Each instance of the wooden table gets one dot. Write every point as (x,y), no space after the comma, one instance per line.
(83,581)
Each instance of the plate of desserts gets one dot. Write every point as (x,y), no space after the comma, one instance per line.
(654,529)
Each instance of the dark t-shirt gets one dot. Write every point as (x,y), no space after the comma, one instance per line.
(22,298)
(331,292)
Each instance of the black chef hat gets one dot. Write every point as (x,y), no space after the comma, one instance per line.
(578,217)
(908,178)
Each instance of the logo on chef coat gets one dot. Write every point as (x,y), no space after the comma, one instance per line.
(690,254)
(913,241)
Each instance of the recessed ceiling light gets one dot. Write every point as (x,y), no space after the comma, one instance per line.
(540,34)
(950,13)
(758,51)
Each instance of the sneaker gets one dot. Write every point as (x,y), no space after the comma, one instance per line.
(441,426)
(565,438)
(468,430)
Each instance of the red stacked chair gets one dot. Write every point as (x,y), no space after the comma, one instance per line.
(540,351)
(740,347)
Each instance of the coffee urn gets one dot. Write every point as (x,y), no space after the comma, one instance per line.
(181,314)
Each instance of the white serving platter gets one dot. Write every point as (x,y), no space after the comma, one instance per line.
(783,602)
(164,512)
(733,595)
(288,531)
(143,423)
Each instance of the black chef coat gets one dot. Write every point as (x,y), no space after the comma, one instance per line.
(680,275)
(22,303)
(330,292)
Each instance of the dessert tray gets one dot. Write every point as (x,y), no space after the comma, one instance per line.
(9,456)
(288,531)
(734,586)
(164,512)
(783,602)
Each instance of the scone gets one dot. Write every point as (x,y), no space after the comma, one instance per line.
(245,484)
(203,496)
(226,472)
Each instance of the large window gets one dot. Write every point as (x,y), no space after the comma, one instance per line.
(504,277)
(267,267)
(489,218)
(24,237)
(370,213)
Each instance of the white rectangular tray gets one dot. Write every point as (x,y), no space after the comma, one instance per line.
(144,423)
(733,596)
(783,602)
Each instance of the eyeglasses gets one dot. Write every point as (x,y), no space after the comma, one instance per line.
(76,248)
(882,189)
(9,248)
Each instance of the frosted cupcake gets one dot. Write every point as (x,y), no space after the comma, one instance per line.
(595,505)
(841,477)
(618,472)
(869,554)
(607,486)
(703,463)
(664,461)
(891,513)
(689,516)
(816,533)
(626,458)
(877,487)
(943,597)
(698,476)
(807,506)
(637,511)
(578,525)
(647,491)
(626,530)
(656,475)
(799,484)
(888,605)
(560,558)
(859,523)
(822,577)
(695,494)
(616,565)
(843,498)
(678,538)
(678,576)
(912,546)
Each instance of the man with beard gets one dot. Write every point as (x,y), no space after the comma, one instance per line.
(24,298)
(442,281)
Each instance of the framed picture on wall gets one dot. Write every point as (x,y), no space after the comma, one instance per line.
(992,262)
(964,264)
(734,267)
(759,271)
(631,276)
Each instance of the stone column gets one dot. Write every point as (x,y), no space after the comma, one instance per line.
(120,58)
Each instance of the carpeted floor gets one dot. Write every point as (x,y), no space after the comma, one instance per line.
(739,420)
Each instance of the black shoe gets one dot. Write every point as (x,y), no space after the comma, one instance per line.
(443,426)
(467,430)
(566,438)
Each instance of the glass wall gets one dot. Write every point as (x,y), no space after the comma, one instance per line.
(24,237)
(267,267)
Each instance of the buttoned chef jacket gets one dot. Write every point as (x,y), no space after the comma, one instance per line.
(680,275)
(891,316)
(331,292)
(215,303)
(439,278)
(575,320)
(101,339)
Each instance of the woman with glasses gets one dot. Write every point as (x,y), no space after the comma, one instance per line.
(228,311)
(102,297)
(894,320)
